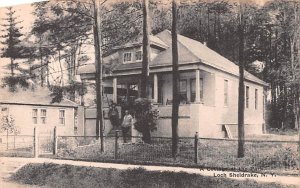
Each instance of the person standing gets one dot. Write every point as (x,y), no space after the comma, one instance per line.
(113,115)
(126,124)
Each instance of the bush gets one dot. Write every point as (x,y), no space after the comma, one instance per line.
(146,118)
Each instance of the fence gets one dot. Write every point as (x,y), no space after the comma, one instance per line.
(196,152)
(275,156)
(16,145)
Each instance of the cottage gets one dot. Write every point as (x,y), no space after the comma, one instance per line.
(32,109)
(208,86)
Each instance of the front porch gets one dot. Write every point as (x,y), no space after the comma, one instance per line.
(197,100)
(195,86)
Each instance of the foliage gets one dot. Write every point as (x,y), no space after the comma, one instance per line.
(8,125)
(14,81)
(146,117)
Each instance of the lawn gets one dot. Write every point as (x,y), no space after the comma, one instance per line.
(278,157)
(54,175)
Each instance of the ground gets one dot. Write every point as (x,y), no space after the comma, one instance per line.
(67,173)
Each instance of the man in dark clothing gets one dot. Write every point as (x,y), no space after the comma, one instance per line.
(113,115)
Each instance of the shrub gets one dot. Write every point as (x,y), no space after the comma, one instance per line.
(146,118)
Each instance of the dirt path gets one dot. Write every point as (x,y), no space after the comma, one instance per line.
(7,168)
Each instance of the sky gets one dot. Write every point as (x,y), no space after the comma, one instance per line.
(24,12)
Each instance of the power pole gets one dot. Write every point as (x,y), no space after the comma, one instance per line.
(241,100)
(146,51)
(98,66)
(175,75)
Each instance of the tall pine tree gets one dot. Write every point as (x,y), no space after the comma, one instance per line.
(11,39)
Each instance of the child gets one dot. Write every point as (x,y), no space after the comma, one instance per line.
(126,124)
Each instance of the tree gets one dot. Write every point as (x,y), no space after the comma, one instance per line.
(241,99)
(12,39)
(146,51)
(98,66)
(175,76)
(8,125)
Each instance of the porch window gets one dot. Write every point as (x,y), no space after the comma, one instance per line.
(225,92)
(247,96)
(43,116)
(34,115)
(62,117)
(183,91)
(255,99)
(127,57)
(138,55)
(193,89)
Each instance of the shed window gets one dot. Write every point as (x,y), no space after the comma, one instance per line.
(43,116)
(34,115)
(193,89)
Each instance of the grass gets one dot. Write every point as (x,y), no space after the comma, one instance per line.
(54,175)
(275,157)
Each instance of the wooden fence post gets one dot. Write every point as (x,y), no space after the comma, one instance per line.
(35,143)
(196,147)
(116,144)
(55,141)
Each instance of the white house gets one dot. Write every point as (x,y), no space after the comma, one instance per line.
(32,109)
(208,86)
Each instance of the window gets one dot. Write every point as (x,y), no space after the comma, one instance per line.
(138,55)
(247,96)
(255,99)
(225,92)
(127,57)
(43,116)
(62,117)
(34,116)
(193,89)
(182,91)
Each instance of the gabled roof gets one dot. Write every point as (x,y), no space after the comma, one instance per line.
(154,41)
(189,51)
(39,97)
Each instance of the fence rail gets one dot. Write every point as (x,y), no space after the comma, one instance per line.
(192,151)
(260,155)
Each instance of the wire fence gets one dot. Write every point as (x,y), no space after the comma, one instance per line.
(275,156)
(16,145)
(195,152)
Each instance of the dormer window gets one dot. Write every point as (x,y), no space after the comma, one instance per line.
(127,57)
(138,55)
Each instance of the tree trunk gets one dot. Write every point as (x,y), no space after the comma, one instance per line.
(61,69)
(98,66)
(241,100)
(12,66)
(146,51)
(42,69)
(175,75)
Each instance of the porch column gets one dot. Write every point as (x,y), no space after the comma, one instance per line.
(155,88)
(115,90)
(197,89)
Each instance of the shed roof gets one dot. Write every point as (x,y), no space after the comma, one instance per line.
(40,97)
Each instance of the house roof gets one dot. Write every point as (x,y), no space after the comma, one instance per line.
(39,97)
(189,51)
(154,40)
